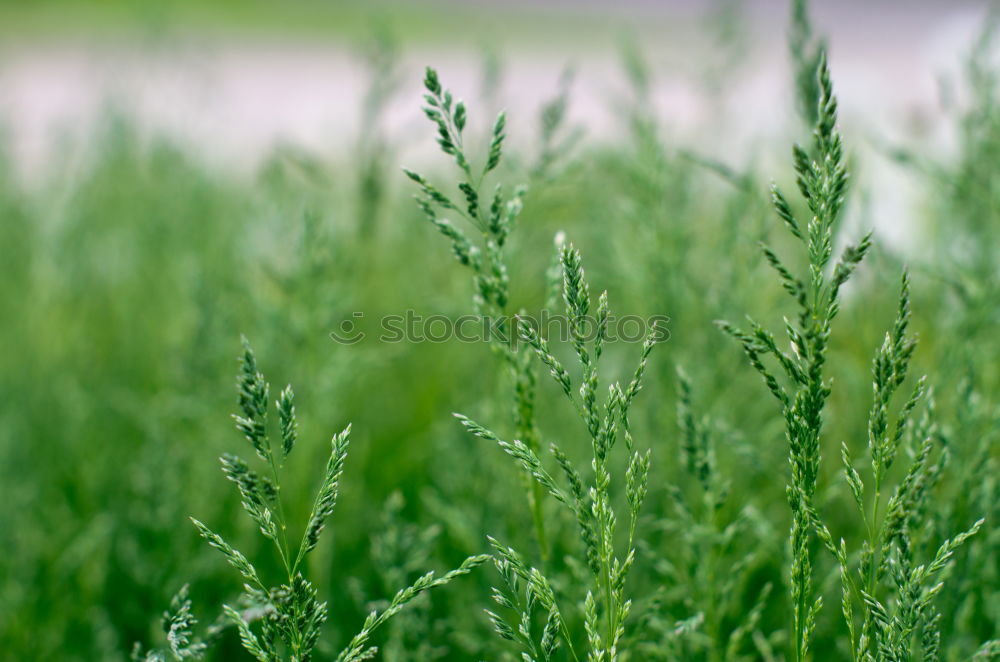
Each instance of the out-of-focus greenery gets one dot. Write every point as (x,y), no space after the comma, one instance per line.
(428,21)
(127,282)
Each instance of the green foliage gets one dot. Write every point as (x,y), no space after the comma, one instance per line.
(822,181)
(590,503)
(288,617)
(126,272)
(588,498)
(485,258)
(887,631)
(182,642)
(713,570)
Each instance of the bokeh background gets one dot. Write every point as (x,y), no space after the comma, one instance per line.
(175,174)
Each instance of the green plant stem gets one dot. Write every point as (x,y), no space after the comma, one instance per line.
(713,624)
(282,545)
(539,518)
(530,439)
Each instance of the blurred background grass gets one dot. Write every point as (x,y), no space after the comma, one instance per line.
(134,256)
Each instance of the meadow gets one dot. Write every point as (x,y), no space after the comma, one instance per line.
(800,462)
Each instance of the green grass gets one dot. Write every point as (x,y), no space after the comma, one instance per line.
(459,24)
(128,281)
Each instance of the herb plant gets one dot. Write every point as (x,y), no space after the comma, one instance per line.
(588,497)
(668,531)
(493,218)
(289,616)
(890,627)
(588,500)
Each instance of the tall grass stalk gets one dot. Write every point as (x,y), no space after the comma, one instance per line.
(588,498)
(822,181)
(492,216)
(289,616)
(887,629)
